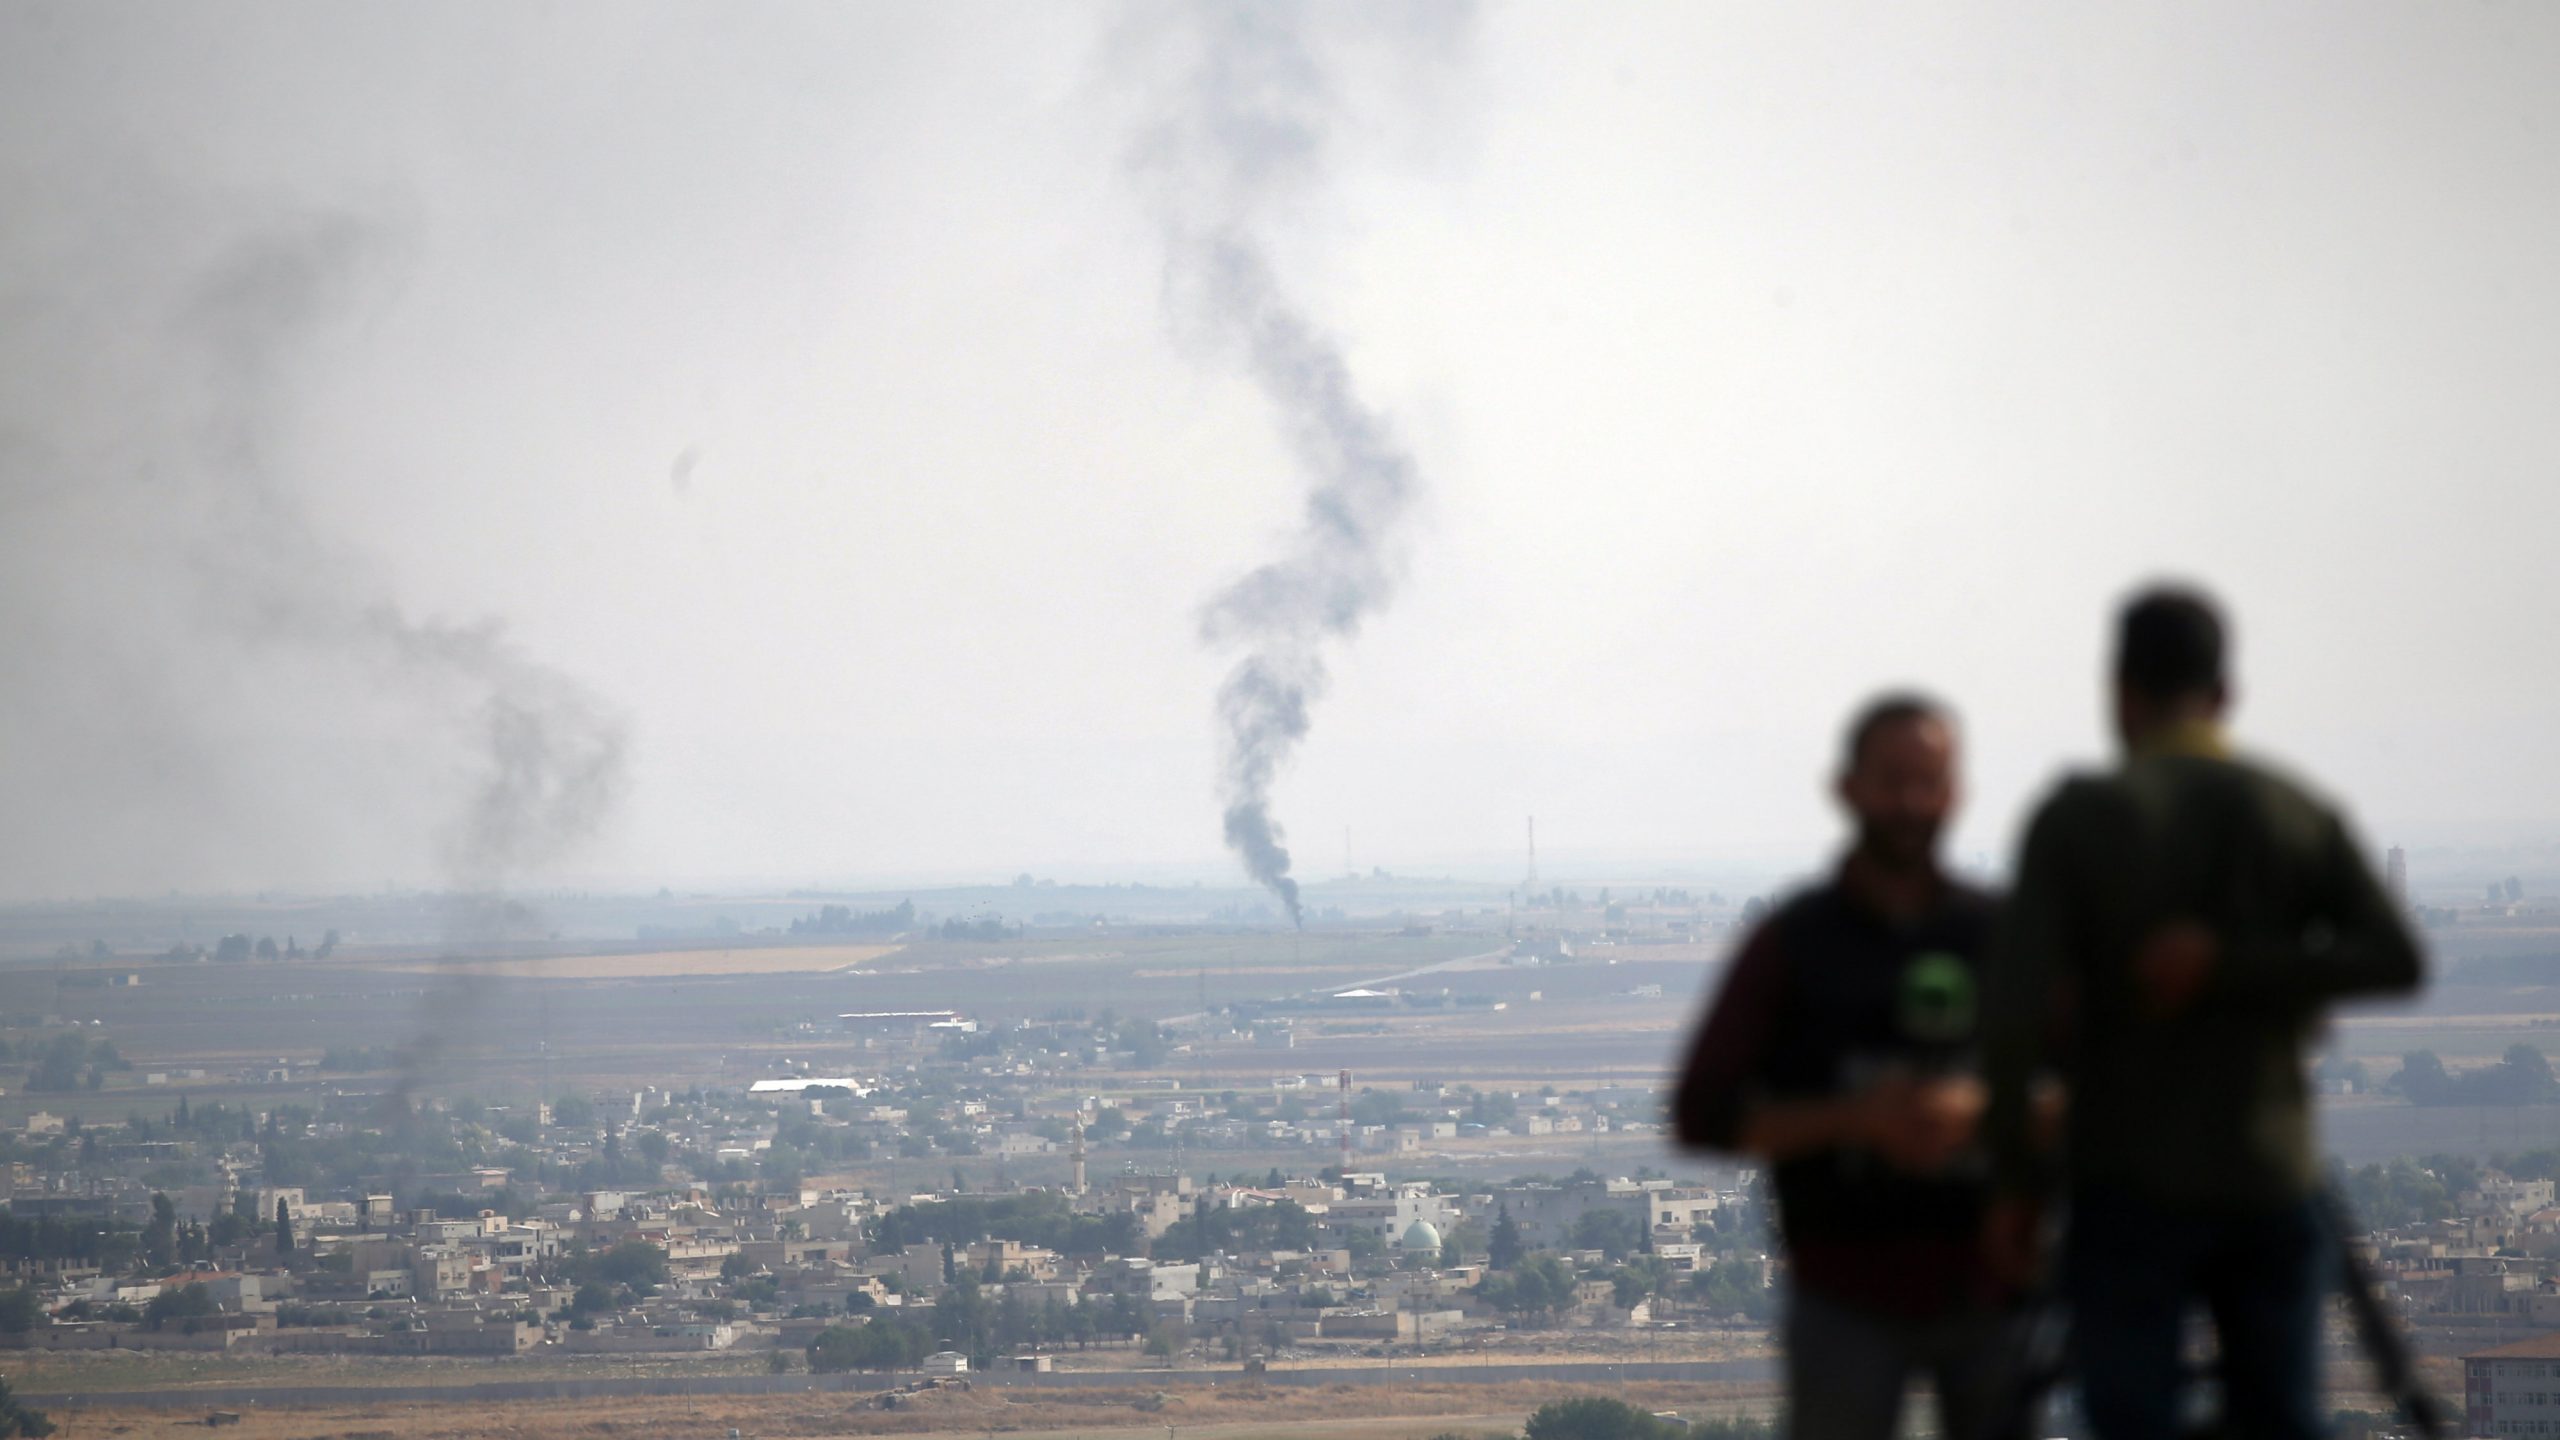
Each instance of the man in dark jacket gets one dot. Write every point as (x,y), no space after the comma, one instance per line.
(2178,928)
(1840,1051)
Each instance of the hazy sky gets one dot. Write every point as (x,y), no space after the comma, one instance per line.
(797,387)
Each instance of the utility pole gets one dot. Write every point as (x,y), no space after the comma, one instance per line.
(542,1102)
(1343,1131)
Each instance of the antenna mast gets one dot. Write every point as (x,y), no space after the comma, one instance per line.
(1343,1129)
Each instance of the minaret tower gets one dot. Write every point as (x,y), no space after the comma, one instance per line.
(1075,1159)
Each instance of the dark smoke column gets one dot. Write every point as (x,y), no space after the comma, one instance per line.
(549,755)
(1249,110)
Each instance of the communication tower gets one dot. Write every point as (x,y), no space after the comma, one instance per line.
(1343,1128)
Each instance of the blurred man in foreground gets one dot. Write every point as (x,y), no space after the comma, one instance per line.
(1840,1050)
(2178,928)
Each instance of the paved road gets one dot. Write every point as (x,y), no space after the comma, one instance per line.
(1486,960)
(289,1396)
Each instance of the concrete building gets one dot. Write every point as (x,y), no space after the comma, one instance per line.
(1549,1215)
(2513,1389)
(1388,1213)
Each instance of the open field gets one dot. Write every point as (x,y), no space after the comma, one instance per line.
(664,964)
(2479,1038)
(2366,1132)
(669,1018)
(1240,1411)
(600,1016)
(108,1372)
(1409,1407)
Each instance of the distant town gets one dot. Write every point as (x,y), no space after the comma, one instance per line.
(1030,1130)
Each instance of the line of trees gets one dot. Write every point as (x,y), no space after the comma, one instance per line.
(2521,1077)
(1599,1417)
(843,920)
(964,1319)
(1209,1230)
(1039,1218)
(73,1061)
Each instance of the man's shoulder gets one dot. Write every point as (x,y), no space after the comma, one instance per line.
(2081,799)
(1819,904)
(2281,784)
(2274,795)
(1810,902)
(1792,914)
(1966,900)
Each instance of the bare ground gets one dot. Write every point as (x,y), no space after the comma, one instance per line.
(1241,1412)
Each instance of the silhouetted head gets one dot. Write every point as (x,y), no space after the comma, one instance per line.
(2169,663)
(1898,778)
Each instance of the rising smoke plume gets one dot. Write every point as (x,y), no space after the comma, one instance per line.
(1252,109)
(190,619)
(548,755)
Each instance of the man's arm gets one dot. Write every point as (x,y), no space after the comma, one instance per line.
(2353,943)
(2030,951)
(1776,1130)
(1719,1086)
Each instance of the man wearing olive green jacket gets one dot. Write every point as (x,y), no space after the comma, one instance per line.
(2178,929)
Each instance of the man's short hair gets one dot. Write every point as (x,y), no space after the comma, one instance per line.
(1894,708)
(2169,643)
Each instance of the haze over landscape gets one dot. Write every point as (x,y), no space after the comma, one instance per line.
(809,719)
(809,398)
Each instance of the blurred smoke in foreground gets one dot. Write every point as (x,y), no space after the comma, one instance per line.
(217,692)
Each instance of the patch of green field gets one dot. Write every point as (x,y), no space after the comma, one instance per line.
(95,1371)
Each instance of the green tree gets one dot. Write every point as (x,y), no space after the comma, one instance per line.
(284,1230)
(1144,1040)
(21,1309)
(2422,1078)
(17,1419)
(57,1065)
(874,1345)
(2529,1078)
(1732,1287)
(186,1304)
(160,1237)
(833,1350)
(1592,1417)
(1377,1107)
(1505,1248)
(1536,1288)
(633,1263)
(1614,1233)
(2399,1193)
